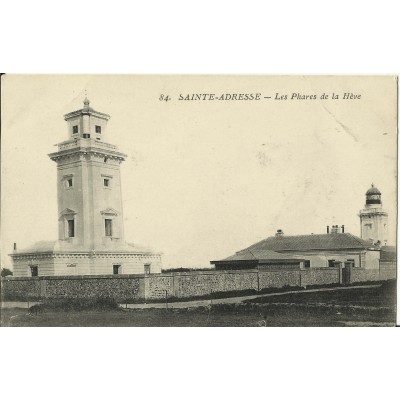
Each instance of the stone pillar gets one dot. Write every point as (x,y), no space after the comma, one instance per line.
(43,288)
(348,267)
(338,264)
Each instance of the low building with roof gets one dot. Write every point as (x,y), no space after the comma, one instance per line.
(259,259)
(306,251)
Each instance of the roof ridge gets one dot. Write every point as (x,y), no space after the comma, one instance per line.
(359,240)
(310,241)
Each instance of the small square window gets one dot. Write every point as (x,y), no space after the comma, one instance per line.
(352,261)
(106,182)
(75,129)
(116,269)
(69,182)
(98,129)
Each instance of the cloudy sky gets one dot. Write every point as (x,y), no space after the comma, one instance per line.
(204,179)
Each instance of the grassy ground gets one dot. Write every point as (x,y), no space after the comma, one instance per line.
(353,307)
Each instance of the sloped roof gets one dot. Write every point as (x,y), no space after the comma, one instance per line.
(257,255)
(141,249)
(334,241)
(86,110)
(373,190)
(54,246)
(42,246)
(388,253)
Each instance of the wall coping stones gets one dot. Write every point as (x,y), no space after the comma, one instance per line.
(71,277)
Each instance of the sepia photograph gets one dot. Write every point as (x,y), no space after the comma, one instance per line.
(198,201)
(170,167)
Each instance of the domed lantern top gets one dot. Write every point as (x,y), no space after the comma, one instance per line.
(373,195)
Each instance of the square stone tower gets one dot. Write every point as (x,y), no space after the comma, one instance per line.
(91,238)
(89,184)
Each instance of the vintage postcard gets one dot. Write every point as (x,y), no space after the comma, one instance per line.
(163,200)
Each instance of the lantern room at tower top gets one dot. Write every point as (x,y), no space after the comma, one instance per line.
(87,123)
(91,239)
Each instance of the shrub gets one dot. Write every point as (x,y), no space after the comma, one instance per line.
(6,272)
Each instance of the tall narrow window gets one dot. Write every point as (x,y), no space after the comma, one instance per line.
(147,269)
(106,182)
(75,129)
(108,227)
(71,228)
(98,129)
(116,269)
(34,270)
(69,182)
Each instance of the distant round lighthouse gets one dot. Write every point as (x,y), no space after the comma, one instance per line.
(373,219)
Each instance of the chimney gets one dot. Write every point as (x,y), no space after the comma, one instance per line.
(327,229)
(335,229)
(279,233)
(15,246)
(342,228)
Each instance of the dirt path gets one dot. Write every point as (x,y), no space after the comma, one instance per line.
(233,300)
(199,303)
(18,304)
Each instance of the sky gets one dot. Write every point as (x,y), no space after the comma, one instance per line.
(204,179)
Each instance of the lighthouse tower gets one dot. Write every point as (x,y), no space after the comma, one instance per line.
(373,219)
(91,239)
(89,184)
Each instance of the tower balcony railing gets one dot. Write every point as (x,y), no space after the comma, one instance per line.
(81,142)
(372,210)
